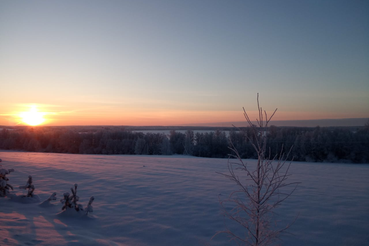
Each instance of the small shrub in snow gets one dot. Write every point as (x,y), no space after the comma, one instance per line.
(29,186)
(4,186)
(74,198)
(66,201)
(70,202)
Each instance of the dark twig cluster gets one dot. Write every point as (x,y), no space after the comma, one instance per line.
(4,186)
(74,198)
(70,201)
(29,186)
(66,201)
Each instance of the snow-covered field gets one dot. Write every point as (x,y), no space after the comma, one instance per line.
(158,200)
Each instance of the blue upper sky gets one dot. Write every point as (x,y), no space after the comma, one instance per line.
(180,62)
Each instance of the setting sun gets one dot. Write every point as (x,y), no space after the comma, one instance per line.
(32,117)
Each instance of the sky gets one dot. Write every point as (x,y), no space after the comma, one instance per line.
(182,62)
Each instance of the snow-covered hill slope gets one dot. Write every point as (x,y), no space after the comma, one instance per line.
(158,200)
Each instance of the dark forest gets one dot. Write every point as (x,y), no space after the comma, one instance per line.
(319,144)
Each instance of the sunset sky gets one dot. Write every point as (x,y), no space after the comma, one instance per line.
(182,62)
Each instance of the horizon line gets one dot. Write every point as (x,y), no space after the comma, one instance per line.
(342,122)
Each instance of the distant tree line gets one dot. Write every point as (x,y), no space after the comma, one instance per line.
(309,144)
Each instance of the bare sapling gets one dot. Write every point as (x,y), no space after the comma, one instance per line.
(261,188)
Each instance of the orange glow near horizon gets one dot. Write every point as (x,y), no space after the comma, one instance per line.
(146,118)
(32,117)
(67,115)
(175,118)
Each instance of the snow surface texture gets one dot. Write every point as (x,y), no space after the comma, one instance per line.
(156,200)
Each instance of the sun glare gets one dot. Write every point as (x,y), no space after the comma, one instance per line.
(32,117)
